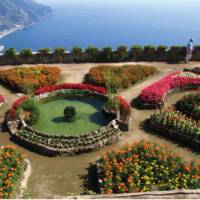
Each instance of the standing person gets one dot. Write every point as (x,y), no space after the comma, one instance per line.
(190,49)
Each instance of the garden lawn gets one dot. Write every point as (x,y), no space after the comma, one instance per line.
(89,116)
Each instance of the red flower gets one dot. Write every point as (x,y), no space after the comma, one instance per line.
(157,91)
(76,86)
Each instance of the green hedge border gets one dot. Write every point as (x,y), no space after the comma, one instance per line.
(93,54)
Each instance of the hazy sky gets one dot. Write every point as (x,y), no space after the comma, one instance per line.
(176,3)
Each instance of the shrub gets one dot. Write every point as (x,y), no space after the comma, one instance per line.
(26,52)
(112,104)
(26,80)
(176,53)
(161,53)
(124,109)
(107,54)
(10,169)
(30,106)
(60,51)
(115,77)
(121,54)
(93,53)
(135,52)
(190,105)
(44,51)
(70,113)
(117,104)
(146,166)
(10,52)
(149,53)
(78,54)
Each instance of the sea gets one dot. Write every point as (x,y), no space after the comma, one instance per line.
(112,23)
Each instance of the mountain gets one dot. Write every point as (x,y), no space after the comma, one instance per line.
(21,13)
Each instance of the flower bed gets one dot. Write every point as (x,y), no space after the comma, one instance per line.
(190,105)
(27,79)
(119,105)
(11,164)
(116,77)
(145,166)
(73,86)
(177,126)
(64,145)
(153,96)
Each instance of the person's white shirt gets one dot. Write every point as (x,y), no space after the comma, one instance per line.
(190,46)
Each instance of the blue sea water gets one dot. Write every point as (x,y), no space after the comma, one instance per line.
(111,23)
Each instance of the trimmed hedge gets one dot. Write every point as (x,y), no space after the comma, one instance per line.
(118,77)
(93,54)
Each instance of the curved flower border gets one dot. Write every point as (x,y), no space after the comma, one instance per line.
(153,95)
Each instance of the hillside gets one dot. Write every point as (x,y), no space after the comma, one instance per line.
(15,14)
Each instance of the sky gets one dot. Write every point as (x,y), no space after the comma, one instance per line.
(171,3)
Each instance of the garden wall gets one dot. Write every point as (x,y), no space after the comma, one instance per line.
(92,54)
(67,146)
(175,194)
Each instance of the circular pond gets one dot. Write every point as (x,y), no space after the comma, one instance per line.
(89,116)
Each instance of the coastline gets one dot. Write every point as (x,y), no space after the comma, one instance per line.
(12,30)
(20,27)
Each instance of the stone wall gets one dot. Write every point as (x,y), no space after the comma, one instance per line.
(71,145)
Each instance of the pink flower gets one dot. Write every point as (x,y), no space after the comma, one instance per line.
(157,91)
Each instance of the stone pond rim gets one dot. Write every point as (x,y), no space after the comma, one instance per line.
(64,145)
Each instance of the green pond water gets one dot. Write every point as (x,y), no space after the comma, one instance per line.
(88,118)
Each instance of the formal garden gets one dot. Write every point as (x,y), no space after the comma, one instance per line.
(57,121)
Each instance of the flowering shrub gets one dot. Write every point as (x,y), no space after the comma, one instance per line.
(12,112)
(124,108)
(155,93)
(168,118)
(11,164)
(190,105)
(25,79)
(76,86)
(115,77)
(118,103)
(146,166)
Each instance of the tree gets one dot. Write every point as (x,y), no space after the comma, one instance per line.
(11,52)
(26,52)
